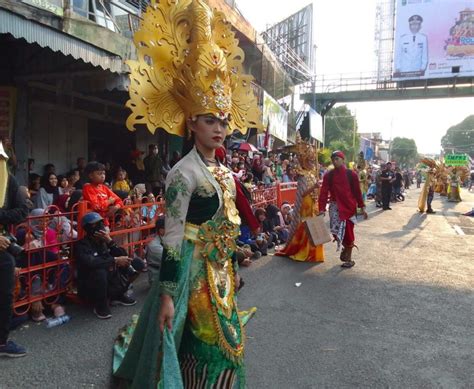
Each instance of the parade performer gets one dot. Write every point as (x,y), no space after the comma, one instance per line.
(341,188)
(427,193)
(189,333)
(363,179)
(458,175)
(299,246)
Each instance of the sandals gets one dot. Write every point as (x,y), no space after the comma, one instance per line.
(38,318)
(348,264)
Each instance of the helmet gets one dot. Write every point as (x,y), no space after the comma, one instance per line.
(91,218)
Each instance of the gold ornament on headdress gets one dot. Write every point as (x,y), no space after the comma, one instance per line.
(304,150)
(189,64)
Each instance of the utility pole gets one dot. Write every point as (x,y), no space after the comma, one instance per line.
(354,129)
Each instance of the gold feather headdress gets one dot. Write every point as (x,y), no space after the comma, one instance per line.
(189,64)
(304,151)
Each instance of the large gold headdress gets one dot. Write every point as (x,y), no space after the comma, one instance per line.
(189,64)
(304,150)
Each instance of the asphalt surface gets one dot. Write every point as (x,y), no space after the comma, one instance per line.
(401,318)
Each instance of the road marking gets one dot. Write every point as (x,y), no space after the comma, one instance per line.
(458,230)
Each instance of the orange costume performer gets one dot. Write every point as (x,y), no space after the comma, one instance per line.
(299,246)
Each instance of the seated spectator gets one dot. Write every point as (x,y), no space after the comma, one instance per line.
(267,174)
(275,224)
(34,185)
(49,192)
(48,169)
(149,212)
(248,181)
(244,255)
(289,176)
(39,235)
(154,252)
(104,271)
(286,212)
(75,197)
(109,177)
(102,200)
(121,181)
(62,182)
(73,177)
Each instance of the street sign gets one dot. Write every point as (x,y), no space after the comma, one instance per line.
(456,159)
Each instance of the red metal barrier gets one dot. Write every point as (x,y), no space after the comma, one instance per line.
(262,197)
(286,192)
(46,268)
(274,195)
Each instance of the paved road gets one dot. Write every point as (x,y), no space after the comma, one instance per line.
(401,318)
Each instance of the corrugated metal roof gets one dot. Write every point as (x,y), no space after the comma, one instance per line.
(32,32)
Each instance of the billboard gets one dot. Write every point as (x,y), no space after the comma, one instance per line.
(275,117)
(433,39)
(291,40)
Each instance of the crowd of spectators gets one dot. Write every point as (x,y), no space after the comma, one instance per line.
(104,270)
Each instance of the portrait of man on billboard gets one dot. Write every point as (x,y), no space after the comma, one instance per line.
(411,58)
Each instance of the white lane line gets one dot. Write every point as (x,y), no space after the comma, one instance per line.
(458,230)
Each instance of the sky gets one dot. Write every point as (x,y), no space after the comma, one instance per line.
(344,35)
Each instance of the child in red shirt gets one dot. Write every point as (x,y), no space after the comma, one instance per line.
(101,198)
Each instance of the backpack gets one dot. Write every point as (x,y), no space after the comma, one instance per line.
(349,176)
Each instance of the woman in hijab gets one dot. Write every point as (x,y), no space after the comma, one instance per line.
(49,192)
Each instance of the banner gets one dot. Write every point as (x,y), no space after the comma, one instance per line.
(315,125)
(434,39)
(456,159)
(276,117)
(53,6)
(7,110)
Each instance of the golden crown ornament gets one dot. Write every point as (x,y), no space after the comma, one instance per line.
(189,64)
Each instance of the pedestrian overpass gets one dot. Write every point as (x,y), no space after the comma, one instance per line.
(324,92)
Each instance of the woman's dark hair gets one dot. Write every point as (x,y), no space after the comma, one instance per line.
(60,178)
(54,190)
(188,144)
(32,177)
(48,166)
(94,166)
(160,223)
(72,173)
(272,211)
(74,199)
(260,211)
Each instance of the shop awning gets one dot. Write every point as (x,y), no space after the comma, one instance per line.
(47,37)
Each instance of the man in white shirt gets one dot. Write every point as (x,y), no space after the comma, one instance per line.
(412,55)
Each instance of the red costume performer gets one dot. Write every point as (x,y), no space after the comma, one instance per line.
(341,188)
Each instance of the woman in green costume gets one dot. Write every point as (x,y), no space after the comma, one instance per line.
(189,332)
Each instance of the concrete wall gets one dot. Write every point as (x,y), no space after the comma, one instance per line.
(56,137)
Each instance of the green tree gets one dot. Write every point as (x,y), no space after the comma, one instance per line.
(324,156)
(460,138)
(404,151)
(340,125)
